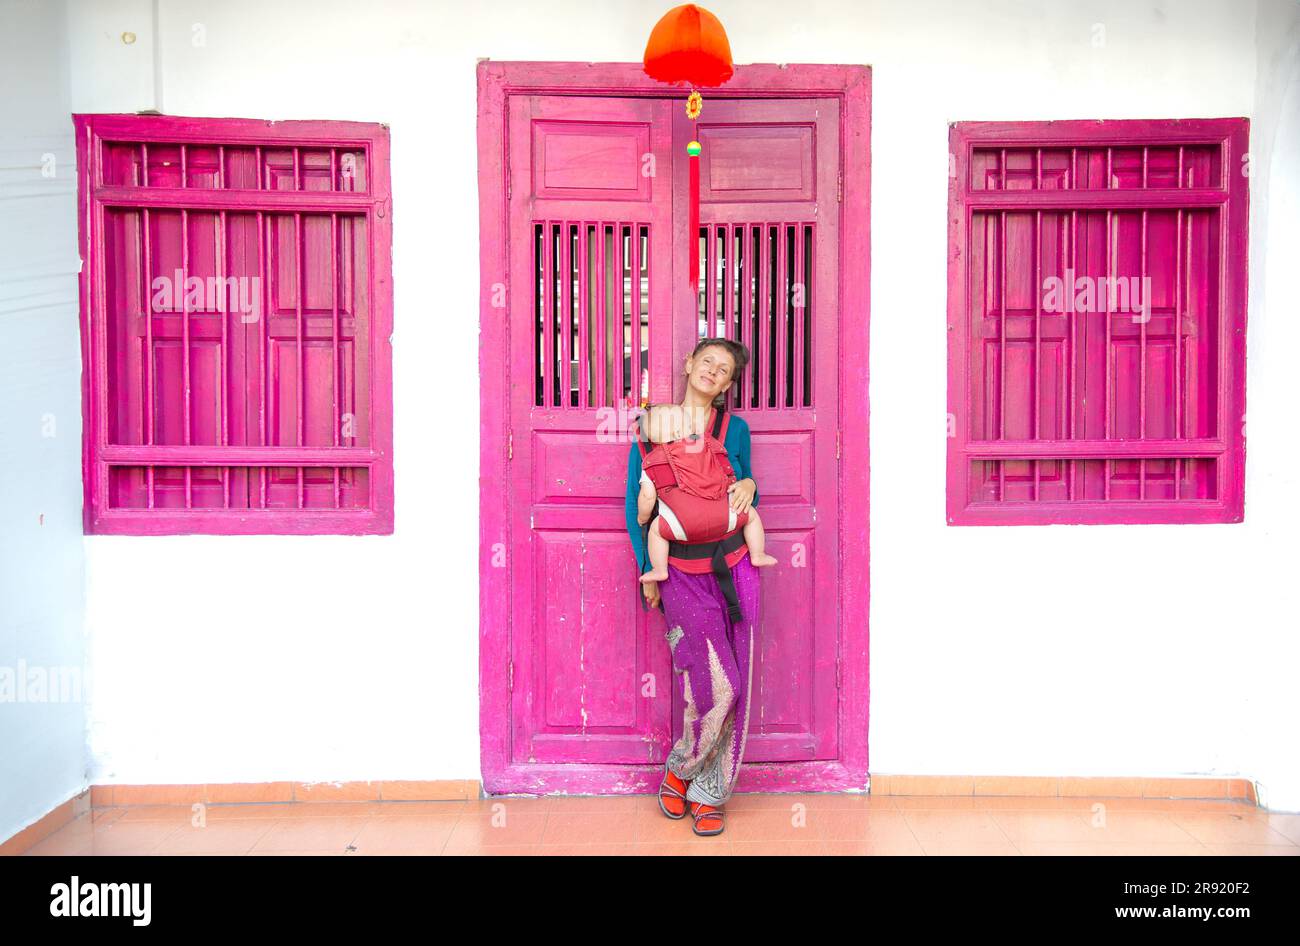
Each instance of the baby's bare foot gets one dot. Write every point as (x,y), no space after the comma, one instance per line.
(660,574)
(761,559)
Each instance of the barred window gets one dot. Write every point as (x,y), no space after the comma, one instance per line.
(236,309)
(1096,322)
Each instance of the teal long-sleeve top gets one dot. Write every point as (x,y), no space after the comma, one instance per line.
(737,445)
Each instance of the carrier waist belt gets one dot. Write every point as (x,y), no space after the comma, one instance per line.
(717,551)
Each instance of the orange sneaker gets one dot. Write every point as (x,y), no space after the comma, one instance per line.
(705,817)
(672,795)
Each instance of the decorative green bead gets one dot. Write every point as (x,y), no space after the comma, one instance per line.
(693,149)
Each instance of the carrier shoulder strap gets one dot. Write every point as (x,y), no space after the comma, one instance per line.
(643,439)
(721,421)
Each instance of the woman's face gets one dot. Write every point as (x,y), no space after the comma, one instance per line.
(711,371)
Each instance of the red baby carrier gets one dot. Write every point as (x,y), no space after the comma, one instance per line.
(704,533)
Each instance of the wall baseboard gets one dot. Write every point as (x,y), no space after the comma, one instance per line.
(38,831)
(1049,786)
(1067,786)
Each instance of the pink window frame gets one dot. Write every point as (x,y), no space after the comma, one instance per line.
(1231,197)
(374,203)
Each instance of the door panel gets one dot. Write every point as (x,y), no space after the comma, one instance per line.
(769,245)
(599,314)
(590,264)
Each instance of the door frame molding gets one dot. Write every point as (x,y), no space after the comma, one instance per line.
(851,84)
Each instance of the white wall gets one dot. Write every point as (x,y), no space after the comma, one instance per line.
(991,649)
(43,753)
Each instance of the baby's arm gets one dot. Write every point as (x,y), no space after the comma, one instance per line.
(645,500)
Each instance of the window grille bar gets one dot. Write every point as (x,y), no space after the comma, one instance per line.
(147,408)
(1105,300)
(1070,375)
(1002,338)
(1178,337)
(300,273)
(336,366)
(1036,380)
(185,344)
(1142,341)
(263,359)
(223,378)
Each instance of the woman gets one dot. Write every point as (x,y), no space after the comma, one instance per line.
(712,657)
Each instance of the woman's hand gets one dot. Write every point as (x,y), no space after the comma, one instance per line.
(742,494)
(651,591)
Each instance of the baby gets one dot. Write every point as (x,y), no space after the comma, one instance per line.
(658,546)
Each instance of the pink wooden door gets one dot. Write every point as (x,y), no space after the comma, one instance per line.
(598,314)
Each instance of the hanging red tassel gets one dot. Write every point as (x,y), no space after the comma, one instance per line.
(693,216)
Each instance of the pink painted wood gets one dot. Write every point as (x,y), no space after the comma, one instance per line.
(236,311)
(1096,324)
(565,650)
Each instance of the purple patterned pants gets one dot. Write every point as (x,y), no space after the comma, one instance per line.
(713,667)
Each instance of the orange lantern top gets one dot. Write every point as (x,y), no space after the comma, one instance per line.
(689,45)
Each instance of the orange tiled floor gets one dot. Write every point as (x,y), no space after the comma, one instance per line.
(756,824)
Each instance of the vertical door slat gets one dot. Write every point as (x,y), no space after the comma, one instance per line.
(584,317)
(634,361)
(799,313)
(782,312)
(620,248)
(602,321)
(746,336)
(548,314)
(762,377)
(565,310)
(709,272)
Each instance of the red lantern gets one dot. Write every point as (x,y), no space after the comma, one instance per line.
(689,45)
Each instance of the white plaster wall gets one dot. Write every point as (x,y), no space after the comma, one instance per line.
(1052,650)
(43,754)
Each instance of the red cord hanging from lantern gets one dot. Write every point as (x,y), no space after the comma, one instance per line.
(689,45)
